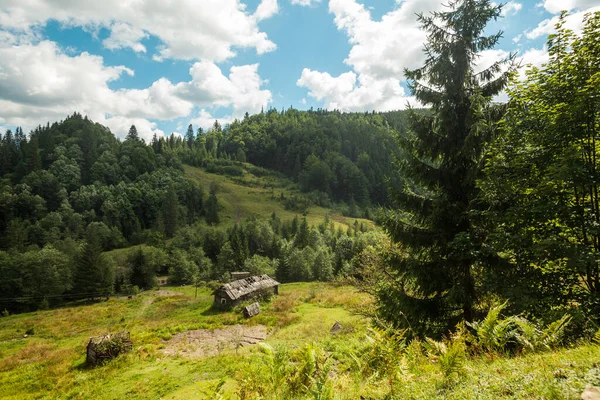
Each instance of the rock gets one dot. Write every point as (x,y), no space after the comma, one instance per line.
(591,393)
(336,328)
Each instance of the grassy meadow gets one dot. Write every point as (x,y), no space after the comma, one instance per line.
(260,196)
(358,361)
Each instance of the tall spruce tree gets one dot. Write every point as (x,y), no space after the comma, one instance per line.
(189,136)
(170,208)
(433,286)
(95,274)
(132,134)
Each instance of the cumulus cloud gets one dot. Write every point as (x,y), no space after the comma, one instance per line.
(556,6)
(205,120)
(241,90)
(206,30)
(266,9)
(124,35)
(305,3)
(380,52)
(574,21)
(511,8)
(349,92)
(40,82)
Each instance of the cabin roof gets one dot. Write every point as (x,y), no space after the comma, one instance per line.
(252,310)
(242,287)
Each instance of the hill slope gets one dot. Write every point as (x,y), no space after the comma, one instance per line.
(260,196)
(50,363)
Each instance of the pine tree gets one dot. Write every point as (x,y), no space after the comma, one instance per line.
(302,236)
(212,206)
(95,273)
(434,285)
(132,134)
(189,136)
(169,212)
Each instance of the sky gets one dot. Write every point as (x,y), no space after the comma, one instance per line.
(163,64)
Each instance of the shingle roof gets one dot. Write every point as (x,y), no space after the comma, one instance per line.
(251,310)
(242,287)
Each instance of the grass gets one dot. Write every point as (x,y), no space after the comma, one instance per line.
(50,363)
(249,195)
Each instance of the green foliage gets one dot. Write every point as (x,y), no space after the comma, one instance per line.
(517,334)
(143,264)
(212,209)
(450,356)
(95,271)
(182,269)
(433,286)
(542,182)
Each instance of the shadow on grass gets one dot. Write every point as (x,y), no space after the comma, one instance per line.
(213,310)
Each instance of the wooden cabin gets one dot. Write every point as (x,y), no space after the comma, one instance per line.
(230,294)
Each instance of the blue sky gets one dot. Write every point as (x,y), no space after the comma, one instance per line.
(162,65)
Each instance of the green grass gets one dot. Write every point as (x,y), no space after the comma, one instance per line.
(50,363)
(241,197)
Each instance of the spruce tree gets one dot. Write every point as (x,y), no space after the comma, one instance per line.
(169,212)
(433,286)
(132,134)
(95,273)
(212,209)
(189,136)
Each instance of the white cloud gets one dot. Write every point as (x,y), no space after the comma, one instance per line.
(574,22)
(266,9)
(348,92)
(190,30)
(205,120)
(380,52)
(511,8)
(305,3)
(145,128)
(124,35)
(556,6)
(40,82)
(383,48)
(241,90)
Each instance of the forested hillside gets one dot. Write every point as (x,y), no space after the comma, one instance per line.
(71,192)
(332,155)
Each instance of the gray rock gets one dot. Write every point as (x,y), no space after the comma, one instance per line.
(591,393)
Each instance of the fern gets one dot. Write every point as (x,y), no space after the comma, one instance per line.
(554,333)
(528,334)
(319,387)
(450,356)
(277,362)
(486,329)
(216,392)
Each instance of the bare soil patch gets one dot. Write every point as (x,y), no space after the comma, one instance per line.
(205,342)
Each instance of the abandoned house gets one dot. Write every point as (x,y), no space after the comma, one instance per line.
(234,292)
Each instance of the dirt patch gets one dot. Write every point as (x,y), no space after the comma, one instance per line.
(205,342)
